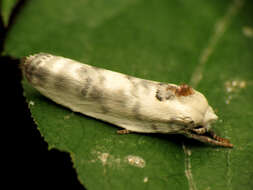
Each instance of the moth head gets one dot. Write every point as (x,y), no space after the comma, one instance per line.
(209,118)
(195,106)
(203,132)
(202,114)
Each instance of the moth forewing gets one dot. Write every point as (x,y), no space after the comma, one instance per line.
(137,105)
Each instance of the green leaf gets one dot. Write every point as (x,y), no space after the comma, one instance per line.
(205,43)
(6,7)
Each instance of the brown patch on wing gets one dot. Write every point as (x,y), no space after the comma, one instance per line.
(184,90)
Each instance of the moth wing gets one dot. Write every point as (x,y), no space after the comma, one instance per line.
(144,127)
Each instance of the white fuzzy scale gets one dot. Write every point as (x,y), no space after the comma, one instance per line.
(134,104)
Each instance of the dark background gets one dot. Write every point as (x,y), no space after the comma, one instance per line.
(27,161)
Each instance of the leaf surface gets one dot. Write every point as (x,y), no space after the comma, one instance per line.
(205,43)
(6,8)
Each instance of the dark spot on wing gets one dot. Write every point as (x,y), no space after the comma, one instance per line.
(136,111)
(158,96)
(153,126)
(37,62)
(120,98)
(90,90)
(104,109)
(41,76)
(165,92)
(96,94)
(60,82)
(86,87)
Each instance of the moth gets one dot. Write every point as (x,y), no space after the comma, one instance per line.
(134,104)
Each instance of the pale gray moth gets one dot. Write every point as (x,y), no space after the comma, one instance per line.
(134,104)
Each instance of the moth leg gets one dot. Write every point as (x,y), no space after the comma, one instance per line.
(123,131)
(200,130)
(209,140)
